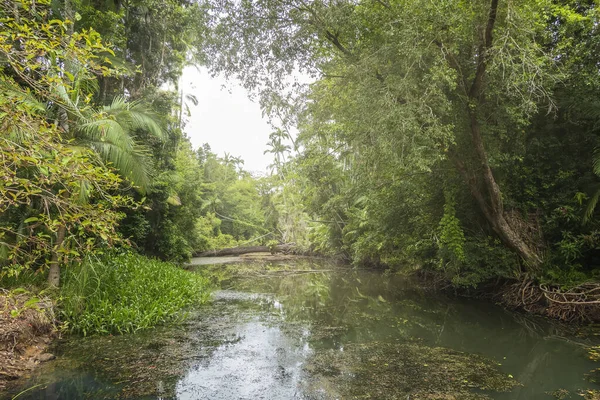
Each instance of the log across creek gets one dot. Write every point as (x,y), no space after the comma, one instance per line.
(236,251)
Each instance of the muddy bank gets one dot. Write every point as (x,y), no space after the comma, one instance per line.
(27,327)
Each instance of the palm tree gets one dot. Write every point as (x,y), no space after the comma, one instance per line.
(593,202)
(278,149)
(109,131)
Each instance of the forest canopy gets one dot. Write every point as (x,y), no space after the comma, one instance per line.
(454,137)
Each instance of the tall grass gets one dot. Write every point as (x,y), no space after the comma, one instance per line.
(123,293)
(27,278)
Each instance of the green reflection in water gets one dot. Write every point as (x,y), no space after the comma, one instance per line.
(314,330)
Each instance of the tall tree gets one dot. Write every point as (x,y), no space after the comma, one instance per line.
(409,84)
(45,179)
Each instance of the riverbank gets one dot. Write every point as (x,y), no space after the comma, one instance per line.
(118,293)
(315,329)
(580,304)
(27,328)
(576,304)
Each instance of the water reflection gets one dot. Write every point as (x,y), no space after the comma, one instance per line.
(265,363)
(312,330)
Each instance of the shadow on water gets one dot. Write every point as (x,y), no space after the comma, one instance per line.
(310,330)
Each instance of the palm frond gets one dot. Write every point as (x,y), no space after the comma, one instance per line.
(135,115)
(106,130)
(591,206)
(84,191)
(66,102)
(596,162)
(132,165)
(118,103)
(147,122)
(82,81)
(15,94)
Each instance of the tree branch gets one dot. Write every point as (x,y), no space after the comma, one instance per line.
(484,48)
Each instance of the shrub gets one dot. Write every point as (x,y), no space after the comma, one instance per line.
(123,293)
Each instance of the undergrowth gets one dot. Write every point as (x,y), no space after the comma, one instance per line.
(123,293)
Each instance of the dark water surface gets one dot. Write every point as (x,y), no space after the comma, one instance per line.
(310,330)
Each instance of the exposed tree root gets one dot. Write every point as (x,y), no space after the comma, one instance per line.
(578,304)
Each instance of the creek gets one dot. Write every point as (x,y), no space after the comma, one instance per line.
(308,329)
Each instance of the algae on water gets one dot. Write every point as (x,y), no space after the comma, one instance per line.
(380,370)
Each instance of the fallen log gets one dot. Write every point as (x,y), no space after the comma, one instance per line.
(236,251)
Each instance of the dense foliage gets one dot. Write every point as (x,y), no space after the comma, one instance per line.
(454,136)
(123,293)
(93,153)
(93,156)
(458,137)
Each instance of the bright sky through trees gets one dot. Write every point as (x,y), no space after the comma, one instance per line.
(226,119)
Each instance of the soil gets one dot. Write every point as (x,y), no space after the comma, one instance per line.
(26,329)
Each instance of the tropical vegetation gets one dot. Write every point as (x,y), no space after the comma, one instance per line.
(456,138)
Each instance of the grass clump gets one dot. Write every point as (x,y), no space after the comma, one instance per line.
(123,293)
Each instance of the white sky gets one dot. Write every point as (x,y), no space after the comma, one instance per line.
(226,119)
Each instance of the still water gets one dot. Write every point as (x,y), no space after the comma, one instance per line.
(311,330)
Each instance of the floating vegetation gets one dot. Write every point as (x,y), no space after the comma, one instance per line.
(560,394)
(379,370)
(590,394)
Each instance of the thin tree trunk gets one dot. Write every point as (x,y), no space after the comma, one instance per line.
(487,195)
(54,274)
(480,178)
(69,13)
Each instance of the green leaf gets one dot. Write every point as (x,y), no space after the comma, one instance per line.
(31,302)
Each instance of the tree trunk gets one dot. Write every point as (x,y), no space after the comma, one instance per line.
(479,177)
(54,274)
(487,195)
(236,251)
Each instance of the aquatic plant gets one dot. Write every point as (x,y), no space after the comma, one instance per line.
(378,370)
(123,293)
